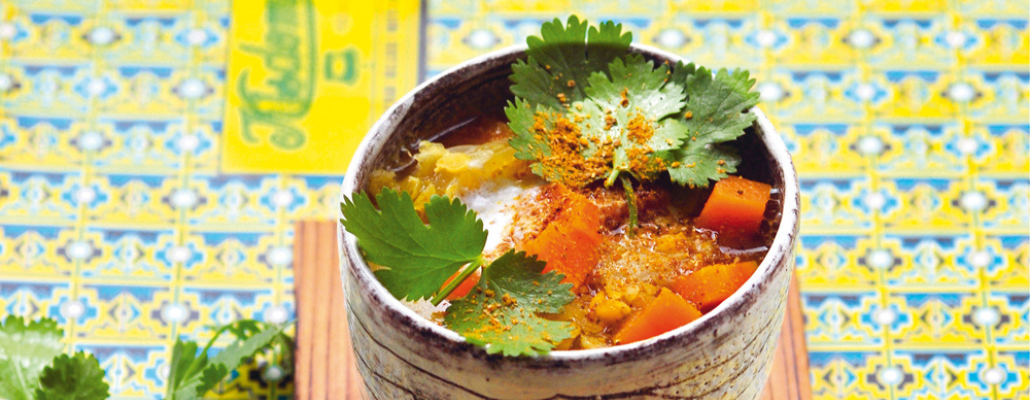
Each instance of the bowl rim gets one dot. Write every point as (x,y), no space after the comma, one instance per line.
(783,241)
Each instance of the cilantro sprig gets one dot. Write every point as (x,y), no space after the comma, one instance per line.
(640,100)
(76,377)
(413,260)
(628,118)
(714,106)
(417,258)
(193,374)
(26,348)
(34,367)
(558,64)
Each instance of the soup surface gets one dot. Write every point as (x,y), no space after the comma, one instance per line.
(628,287)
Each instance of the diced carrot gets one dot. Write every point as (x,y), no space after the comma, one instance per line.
(735,208)
(464,287)
(668,311)
(709,286)
(569,242)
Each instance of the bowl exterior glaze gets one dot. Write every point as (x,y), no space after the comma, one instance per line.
(724,355)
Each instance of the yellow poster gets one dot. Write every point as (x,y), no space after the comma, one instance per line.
(307,78)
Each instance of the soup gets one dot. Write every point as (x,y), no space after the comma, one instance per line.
(604,207)
(581,232)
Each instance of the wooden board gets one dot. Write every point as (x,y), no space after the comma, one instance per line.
(325,359)
(325,362)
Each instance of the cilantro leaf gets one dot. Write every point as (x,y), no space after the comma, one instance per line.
(681,72)
(231,357)
(184,356)
(522,120)
(623,125)
(639,100)
(26,347)
(77,377)
(561,60)
(532,81)
(532,140)
(196,381)
(644,85)
(500,312)
(417,258)
(718,107)
(283,344)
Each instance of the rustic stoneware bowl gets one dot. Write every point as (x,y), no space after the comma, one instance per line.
(724,355)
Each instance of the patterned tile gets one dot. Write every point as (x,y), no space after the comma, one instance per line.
(839,319)
(939,318)
(928,262)
(831,261)
(907,121)
(849,374)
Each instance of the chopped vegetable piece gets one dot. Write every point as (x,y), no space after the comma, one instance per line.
(709,286)
(570,241)
(735,208)
(609,310)
(669,311)
(463,287)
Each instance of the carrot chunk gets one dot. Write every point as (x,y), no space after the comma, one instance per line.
(668,311)
(709,286)
(569,242)
(464,287)
(735,208)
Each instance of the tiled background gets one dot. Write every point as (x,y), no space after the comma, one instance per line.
(908,122)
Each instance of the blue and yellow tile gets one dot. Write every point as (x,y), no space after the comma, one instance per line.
(122,216)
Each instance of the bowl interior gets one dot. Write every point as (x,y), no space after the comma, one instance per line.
(481,87)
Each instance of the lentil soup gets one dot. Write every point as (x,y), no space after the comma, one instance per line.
(618,279)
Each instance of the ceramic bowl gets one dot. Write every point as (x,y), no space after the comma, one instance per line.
(723,355)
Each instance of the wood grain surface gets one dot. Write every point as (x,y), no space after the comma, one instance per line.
(325,362)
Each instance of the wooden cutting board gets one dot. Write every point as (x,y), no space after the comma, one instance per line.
(325,362)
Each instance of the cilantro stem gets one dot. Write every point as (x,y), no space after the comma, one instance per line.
(631,201)
(468,271)
(611,177)
(198,362)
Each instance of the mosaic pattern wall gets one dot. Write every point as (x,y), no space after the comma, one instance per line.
(908,121)
(114,215)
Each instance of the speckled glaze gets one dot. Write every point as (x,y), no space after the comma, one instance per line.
(724,355)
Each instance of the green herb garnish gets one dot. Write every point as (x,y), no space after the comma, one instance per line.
(558,64)
(413,260)
(714,104)
(418,258)
(628,119)
(193,374)
(77,377)
(622,123)
(26,347)
(32,365)
(501,310)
